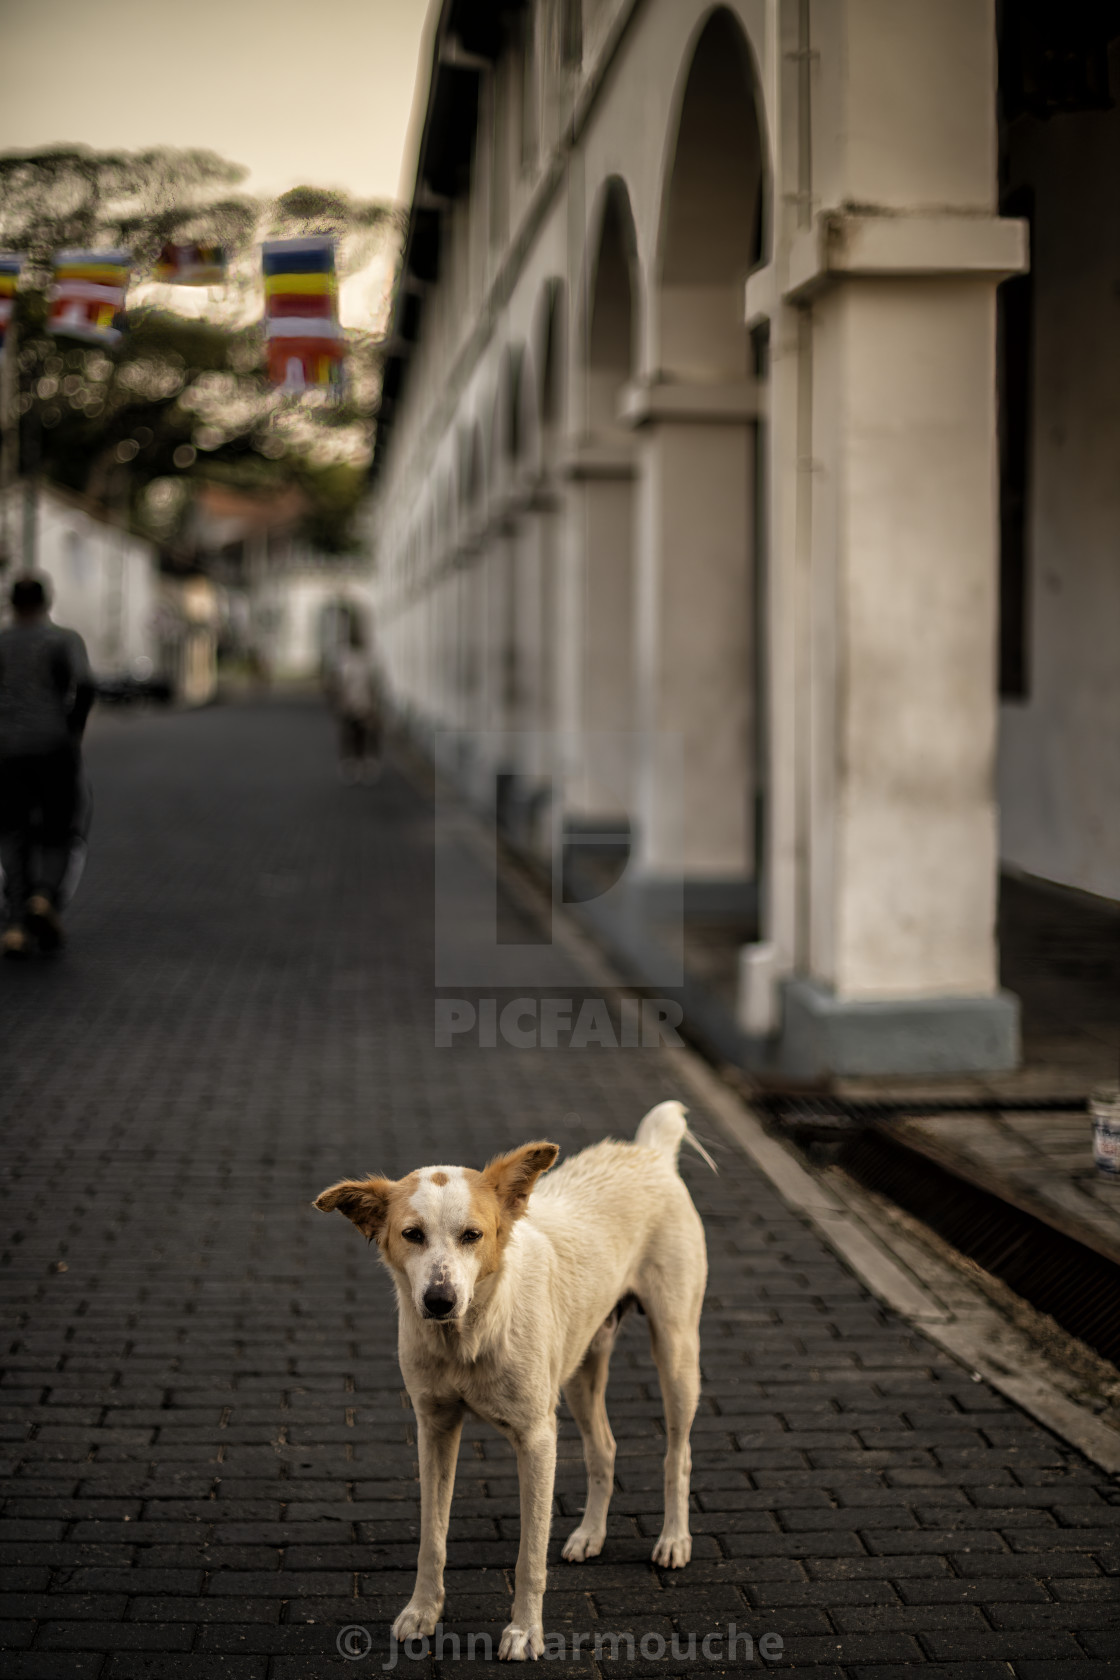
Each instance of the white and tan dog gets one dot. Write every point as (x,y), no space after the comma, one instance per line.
(512,1290)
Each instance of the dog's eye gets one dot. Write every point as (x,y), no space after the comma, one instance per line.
(413,1235)
(471,1236)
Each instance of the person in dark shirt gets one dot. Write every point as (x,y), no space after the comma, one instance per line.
(46,691)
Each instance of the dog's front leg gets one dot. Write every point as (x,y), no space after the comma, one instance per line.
(536,1470)
(438,1428)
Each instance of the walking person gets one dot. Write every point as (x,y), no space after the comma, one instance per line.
(46,691)
(356,697)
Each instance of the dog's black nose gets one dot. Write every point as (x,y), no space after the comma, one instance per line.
(438,1303)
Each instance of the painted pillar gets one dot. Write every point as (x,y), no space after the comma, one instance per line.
(884,488)
(598,716)
(694,670)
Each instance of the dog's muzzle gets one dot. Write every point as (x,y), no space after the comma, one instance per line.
(439,1303)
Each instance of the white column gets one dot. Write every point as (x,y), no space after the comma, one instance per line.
(883,558)
(597,614)
(695,668)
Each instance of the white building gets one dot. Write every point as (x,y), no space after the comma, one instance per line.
(104,578)
(699,522)
(284,599)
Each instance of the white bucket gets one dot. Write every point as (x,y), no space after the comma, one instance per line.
(1104,1109)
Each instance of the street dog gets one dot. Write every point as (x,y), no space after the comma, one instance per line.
(511,1290)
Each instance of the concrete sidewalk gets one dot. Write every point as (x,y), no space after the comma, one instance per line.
(210,1470)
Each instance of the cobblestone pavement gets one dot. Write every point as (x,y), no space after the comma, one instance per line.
(209,1466)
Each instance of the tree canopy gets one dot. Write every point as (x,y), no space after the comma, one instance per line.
(182,397)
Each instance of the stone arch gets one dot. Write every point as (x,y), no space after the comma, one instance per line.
(698,589)
(611,318)
(445,516)
(714,220)
(528,416)
(609,352)
(548,343)
(430,524)
(472,472)
(509,417)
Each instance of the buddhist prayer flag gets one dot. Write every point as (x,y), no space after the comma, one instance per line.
(306,348)
(10,267)
(87,297)
(191,265)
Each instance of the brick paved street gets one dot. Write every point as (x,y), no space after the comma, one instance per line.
(209,1466)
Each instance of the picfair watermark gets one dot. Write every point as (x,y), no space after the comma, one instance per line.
(557,1023)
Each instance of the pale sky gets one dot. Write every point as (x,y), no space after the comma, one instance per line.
(302,91)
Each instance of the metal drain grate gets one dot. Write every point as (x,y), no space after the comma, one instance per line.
(805,1115)
(1078,1287)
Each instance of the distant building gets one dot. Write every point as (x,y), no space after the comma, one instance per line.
(283,598)
(105,578)
(747,478)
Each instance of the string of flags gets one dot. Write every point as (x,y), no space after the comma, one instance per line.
(10,267)
(306,345)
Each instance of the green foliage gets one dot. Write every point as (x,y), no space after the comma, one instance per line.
(333,493)
(182,398)
(71,196)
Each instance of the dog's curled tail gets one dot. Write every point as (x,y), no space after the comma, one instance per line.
(665,1128)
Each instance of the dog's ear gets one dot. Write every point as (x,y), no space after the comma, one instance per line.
(365,1201)
(512,1176)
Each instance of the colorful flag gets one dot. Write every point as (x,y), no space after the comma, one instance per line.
(306,348)
(10,267)
(191,265)
(87,298)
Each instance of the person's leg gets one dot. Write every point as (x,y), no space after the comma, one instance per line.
(350,746)
(55,791)
(369,765)
(15,824)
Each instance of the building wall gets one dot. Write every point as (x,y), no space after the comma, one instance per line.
(761,517)
(1059,762)
(290,617)
(104,582)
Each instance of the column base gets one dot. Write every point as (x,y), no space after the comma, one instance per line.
(822,1035)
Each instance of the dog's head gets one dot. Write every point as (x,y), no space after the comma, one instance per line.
(442,1229)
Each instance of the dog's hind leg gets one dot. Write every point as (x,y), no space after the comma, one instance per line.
(438,1429)
(585,1393)
(676,1350)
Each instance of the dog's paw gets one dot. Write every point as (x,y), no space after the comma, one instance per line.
(673,1551)
(416,1621)
(583,1543)
(518,1643)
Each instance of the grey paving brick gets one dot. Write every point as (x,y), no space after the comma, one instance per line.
(976,1670)
(44,1665)
(108,1636)
(1102,1642)
(922,1619)
(1002,1645)
(131,1665)
(1057,1669)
